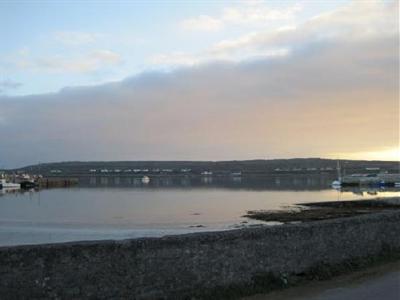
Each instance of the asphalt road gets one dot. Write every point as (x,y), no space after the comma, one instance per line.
(382,283)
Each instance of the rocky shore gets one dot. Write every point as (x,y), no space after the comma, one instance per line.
(213,265)
(308,212)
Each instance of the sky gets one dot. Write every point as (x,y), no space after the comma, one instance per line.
(198,80)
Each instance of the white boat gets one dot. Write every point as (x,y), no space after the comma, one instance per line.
(337,184)
(145,179)
(9,185)
(206,173)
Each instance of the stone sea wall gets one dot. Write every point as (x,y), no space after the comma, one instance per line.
(178,267)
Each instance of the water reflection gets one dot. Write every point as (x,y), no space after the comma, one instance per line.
(125,207)
(276,183)
(234,182)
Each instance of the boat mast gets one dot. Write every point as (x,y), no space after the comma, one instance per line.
(338,171)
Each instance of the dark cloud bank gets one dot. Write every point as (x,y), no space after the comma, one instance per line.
(325,97)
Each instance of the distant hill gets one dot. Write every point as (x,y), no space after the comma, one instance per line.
(273,166)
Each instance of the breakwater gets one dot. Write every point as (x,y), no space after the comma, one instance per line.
(199,264)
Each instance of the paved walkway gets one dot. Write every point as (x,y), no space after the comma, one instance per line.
(382,283)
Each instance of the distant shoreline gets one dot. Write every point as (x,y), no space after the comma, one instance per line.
(296,166)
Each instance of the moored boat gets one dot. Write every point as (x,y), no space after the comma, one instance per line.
(378,180)
(9,185)
(337,184)
(145,179)
(381,180)
(28,184)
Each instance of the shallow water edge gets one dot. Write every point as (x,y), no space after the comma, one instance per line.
(200,264)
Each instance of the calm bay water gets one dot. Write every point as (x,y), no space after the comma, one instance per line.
(120,208)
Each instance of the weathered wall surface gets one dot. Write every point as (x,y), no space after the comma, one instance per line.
(176,266)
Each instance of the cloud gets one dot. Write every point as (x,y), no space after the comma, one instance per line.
(333,91)
(202,22)
(244,13)
(76,38)
(8,84)
(336,98)
(106,56)
(175,58)
(258,13)
(357,20)
(86,63)
(178,59)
